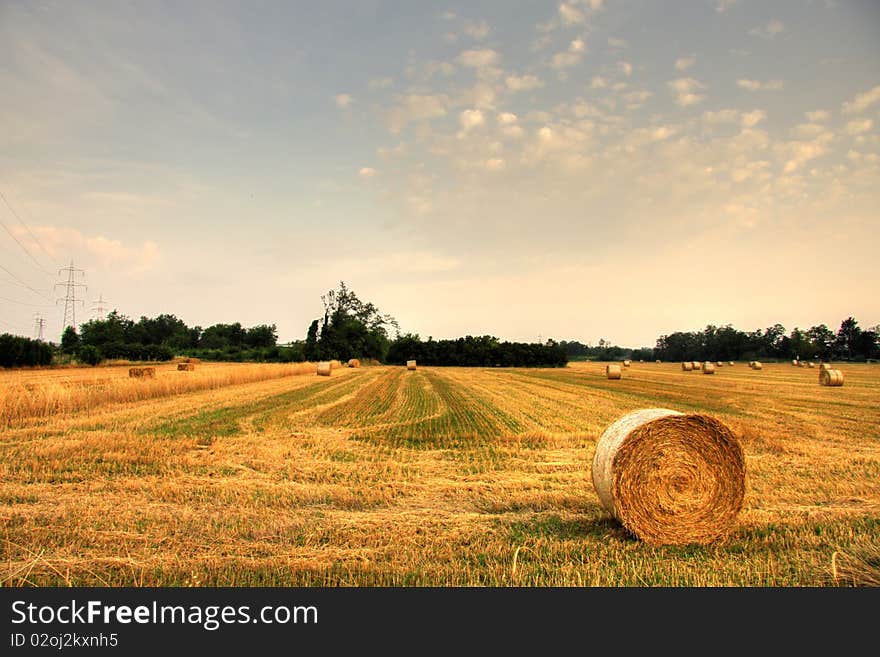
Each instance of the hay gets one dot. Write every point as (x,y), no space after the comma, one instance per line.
(354,362)
(411,365)
(142,372)
(824,366)
(612,371)
(324,368)
(708,368)
(794,363)
(730,363)
(756,365)
(670,478)
(696,365)
(658,361)
(626,363)
(687,366)
(190,359)
(186,367)
(719,364)
(833,378)
(811,365)
(800,363)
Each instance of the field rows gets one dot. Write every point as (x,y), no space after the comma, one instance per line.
(380,476)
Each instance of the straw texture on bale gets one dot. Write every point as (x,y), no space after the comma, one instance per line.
(696,365)
(142,372)
(830,377)
(410,364)
(185,367)
(324,368)
(612,371)
(824,366)
(670,478)
(354,362)
(708,368)
(687,366)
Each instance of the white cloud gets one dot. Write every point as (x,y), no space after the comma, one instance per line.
(98,250)
(507,118)
(381,83)
(862,101)
(723,5)
(684,63)
(577,45)
(598,82)
(617,43)
(513,131)
(859,126)
(478,30)
(570,57)
(625,68)
(367,172)
(685,91)
(417,107)
(570,15)
(757,85)
(721,116)
(753,118)
(808,130)
(769,30)
(343,100)
(495,164)
(635,99)
(818,115)
(523,82)
(470,119)
(478,58)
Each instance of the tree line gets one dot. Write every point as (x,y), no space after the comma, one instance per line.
(471,351)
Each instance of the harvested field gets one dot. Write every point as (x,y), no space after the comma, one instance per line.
(439,476)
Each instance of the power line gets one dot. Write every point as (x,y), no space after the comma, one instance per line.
(39,325)
(99,308)
(70,299)
(27,228)
(23,284)
(23,303)
(25,249)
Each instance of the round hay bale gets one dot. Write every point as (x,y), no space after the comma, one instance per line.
(794,363)
(708,368)
(824,366)
(800,363)
(719,364)
(687,366)
(730,363)
(756,365)
(612,371)
(142,372)
(670,478)
(658,361)
(411,365)
(626,363)
(186,367)
(811,365)
(833,378)
(324,368)
(354,362)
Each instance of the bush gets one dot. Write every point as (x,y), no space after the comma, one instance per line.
(88,354)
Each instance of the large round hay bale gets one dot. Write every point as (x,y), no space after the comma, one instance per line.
(626,363)
(719,364)
(824,366)
(411,365)
(612,371)
(687,366)
(354,362)
(670,478)
(324,368)
(832,378)
(708,368)
(730,363)
(756,365)
(696,365)
(185,367)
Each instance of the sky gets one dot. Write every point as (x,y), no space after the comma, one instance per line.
(578,170)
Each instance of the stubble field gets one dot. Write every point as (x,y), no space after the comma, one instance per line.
(266,475)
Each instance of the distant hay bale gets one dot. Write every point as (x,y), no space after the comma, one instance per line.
(794,363)
(730,363)
(324,368)
(142,372)
(824,366)
(186,367)
(626,363)
(696,365)
(687,366)
(354,362)
(641,360)
(831,378)
(756,365)
(411,365)
(800,363)
(612,371)
(811,365)
(670,478)
(335,364)
(719,364)
(658,361)
(708,368)
(190,359)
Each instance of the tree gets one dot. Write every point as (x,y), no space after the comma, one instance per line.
(349,328)
(310,350)
(848,337)
(69,341)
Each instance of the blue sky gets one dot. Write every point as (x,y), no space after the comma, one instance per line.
(579,170)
